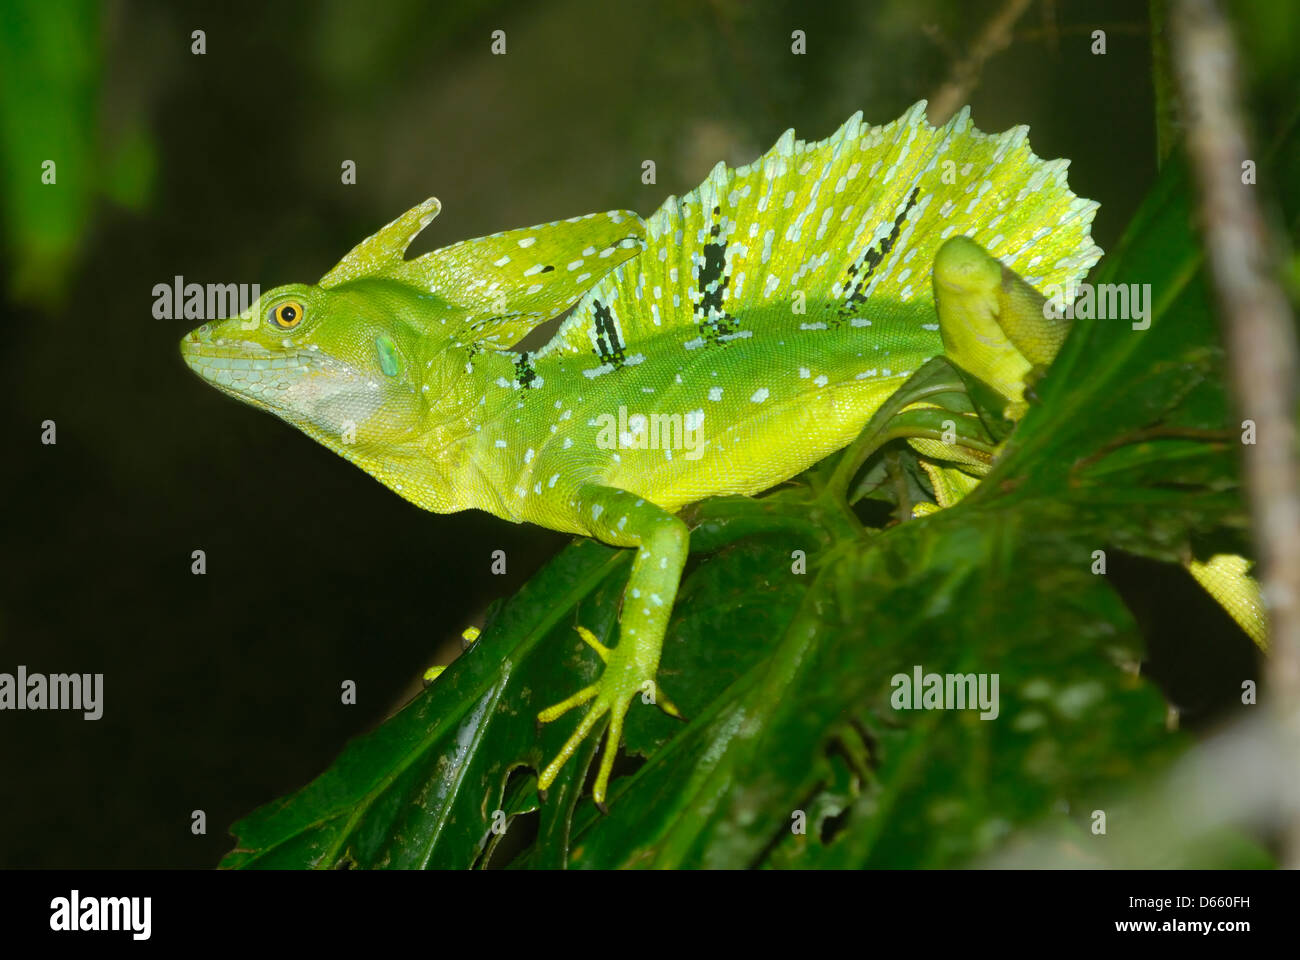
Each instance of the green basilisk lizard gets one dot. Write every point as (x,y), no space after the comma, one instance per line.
(739,335)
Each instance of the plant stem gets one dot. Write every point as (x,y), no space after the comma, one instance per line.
(1260,340)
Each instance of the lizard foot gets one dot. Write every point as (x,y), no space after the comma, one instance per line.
(624,677)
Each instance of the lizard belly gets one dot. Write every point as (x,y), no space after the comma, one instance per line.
(689,422)
(769,446)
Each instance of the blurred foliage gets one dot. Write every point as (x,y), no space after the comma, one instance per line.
(47,116)
(54,157)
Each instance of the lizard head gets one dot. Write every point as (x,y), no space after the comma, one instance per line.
(338,363)
(384,359)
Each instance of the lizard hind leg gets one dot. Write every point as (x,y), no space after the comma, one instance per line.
(661,541)
(998,328)
(994,325)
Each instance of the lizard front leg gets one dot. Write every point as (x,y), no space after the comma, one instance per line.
(662,542)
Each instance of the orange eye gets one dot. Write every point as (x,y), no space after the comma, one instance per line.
(287,315)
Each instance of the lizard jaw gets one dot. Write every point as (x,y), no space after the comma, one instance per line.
(323,396)
(246,370)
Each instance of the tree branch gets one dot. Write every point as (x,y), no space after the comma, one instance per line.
(1260,339)
(994,38)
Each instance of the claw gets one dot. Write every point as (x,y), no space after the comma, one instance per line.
(590,640)
(611,695)
(660,700)
(558,710)
(594,713)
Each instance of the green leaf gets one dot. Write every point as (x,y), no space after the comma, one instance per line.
(421,790)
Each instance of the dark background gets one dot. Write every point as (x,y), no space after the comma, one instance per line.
(222,691)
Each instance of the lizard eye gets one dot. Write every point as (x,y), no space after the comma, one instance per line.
(287,315)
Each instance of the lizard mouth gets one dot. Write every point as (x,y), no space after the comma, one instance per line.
(246,370)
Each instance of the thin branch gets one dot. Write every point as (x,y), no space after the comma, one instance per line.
(995,37)
(1051,35)
(1162,82)
(1051,27)
(1260,340)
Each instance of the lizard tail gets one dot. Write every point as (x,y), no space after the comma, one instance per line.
(1225,578)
